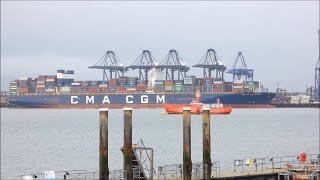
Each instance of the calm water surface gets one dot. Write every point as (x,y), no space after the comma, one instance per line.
(36,140)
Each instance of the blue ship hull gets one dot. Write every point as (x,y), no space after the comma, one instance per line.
(137,100)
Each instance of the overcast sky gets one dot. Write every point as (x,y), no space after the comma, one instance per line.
(278,39)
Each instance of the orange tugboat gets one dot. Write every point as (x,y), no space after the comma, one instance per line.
(196,107)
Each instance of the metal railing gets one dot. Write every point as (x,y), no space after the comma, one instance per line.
(78,175)
(215,168)
(119,174)
(199,171)
(175,171)
(261,164)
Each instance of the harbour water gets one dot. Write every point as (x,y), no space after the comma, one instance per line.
(37,140)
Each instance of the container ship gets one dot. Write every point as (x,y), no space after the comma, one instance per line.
(48,92)
(62,91)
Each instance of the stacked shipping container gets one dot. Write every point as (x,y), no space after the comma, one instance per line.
(141,86)
(51,83)
(207,85)
(41,85)
(228,86)
(168,86)
(218,86)
(13,88)
(103,88)
(188,85)
(24,85)
(64,77)
(131,85)
(238,86)
(159,86)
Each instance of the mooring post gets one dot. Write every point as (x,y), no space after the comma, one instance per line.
(206,142)
(127,143)
(187,163)
(103,147)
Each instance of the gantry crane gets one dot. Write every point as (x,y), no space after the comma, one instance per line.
(145,62)
(211,62)
(112,63)
(239,73)
(171,63)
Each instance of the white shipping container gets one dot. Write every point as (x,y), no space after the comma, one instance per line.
(75,84)
(59,75)
(65,88)
(49,90)
(237,87)
(64,76)
(217,82)
(23,78)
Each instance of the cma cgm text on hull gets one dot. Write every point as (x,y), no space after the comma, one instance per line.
(138,100)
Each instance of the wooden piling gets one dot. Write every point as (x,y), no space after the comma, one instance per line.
(187,163)
(103,147)
(206,141)
(127,143)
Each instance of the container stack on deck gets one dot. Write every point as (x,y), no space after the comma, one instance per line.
(178,86)
(41,85)
(188,85)
(64,77)
(112,88)
(131,85)
(94,87)
(103,88)
(13,89)
(84,86)
(207,85)
(159,86)
(24,86)
(228,87)
(168,86)
(218,86)
(122,85)
(51,83)
(63,83)
(238,86)
(141,86)
(75,88)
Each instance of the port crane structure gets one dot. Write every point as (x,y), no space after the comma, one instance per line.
(211,62)
(112,63)
(145,62)
(243,71)
(171,63)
